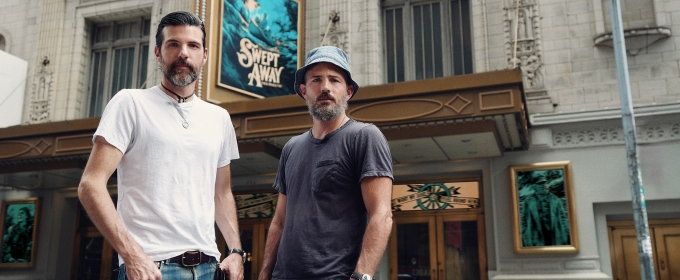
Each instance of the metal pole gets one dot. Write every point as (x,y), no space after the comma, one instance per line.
(636,189)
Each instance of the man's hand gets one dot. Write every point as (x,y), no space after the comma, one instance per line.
(143,269)
(233,265)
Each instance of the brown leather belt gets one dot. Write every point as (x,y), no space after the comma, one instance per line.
(190,258)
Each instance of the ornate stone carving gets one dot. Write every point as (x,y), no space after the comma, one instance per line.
(338,39)
(39,111)
(335,36)
(528,53)
(651,133)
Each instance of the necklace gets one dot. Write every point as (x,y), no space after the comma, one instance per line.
(185,123)
(179,98)
(179,108)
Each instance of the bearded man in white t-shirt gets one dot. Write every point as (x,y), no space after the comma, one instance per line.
(172,152)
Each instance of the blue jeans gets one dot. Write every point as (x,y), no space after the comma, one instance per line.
(171,271)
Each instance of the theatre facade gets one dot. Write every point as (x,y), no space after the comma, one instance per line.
(502,117)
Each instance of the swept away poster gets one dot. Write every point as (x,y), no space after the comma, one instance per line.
(259,47)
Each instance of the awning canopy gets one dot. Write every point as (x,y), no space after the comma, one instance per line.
(444,119)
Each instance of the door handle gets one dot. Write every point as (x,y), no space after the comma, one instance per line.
(662,265)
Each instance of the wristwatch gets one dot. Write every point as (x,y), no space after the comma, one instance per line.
(360,276)
(240,252)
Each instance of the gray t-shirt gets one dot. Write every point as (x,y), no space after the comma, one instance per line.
(325,213)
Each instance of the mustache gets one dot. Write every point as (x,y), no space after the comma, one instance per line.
(325,95)
(181,62)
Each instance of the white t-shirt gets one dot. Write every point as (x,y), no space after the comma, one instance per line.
(166,178)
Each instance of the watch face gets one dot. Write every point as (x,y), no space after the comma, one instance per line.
(366,277)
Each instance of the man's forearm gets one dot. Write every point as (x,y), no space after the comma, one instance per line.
(227,220)
(99,207)
(270,251)
(376,192)
(271,248)
(374,243)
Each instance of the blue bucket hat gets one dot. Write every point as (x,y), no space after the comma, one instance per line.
(324,54)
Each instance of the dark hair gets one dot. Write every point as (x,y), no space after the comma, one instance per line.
(177,19)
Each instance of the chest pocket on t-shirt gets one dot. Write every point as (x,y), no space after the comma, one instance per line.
(324,176)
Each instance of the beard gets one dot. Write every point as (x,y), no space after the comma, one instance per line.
(176,76)
(327,112)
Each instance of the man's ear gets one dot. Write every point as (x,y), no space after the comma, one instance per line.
(157,52)
(350,91)
(303,91)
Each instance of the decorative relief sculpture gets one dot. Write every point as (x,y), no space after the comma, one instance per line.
(39,112)
(335,36)
(522,24)
(651,133)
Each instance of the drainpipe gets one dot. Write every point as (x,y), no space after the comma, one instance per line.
(636,189)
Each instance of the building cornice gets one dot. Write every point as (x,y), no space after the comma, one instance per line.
(654,123)
(603,114)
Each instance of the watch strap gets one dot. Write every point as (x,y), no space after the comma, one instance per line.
(240,252)
(360,276)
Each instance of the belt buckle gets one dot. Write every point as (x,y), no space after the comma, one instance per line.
(189,253)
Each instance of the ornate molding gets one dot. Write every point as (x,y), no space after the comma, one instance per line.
(335,35)
(425,107)
(39,111)
(494,100)
(529,58)
(73,143)
(647,111)
(395,110)
(13,149)
(613,135)
(272,123)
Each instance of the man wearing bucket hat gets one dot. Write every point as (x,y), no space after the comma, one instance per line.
(333,216)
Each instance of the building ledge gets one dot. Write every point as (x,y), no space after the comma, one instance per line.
(636,39)
(603,114)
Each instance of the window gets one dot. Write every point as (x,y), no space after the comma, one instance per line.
(426,39)
(120,51)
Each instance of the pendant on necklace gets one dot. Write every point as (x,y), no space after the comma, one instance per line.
(185,124)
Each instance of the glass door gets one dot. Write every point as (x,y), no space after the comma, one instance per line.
(461,246)
(253,237)
(93,256)
(438,245)
(412,240)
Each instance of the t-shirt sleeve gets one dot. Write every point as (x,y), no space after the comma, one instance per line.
(229,146)
(373,153)
(117,124)
(280,181)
